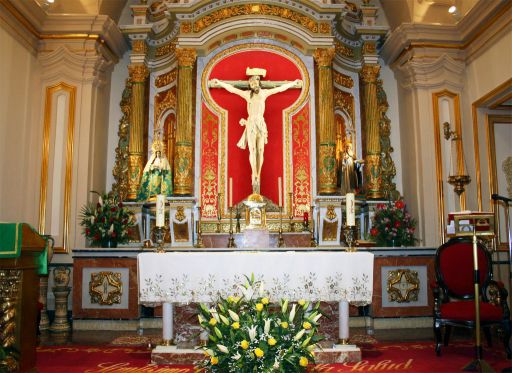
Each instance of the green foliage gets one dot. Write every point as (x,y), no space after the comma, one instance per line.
(107,219)
(392,225)
(248,334)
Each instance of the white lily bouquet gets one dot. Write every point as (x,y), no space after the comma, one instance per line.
(250,334)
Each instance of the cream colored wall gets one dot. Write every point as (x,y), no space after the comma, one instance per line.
(20,131)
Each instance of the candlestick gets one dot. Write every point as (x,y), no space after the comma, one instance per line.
(351,213)
(230,192)
(231,239)
(280,189)
(280,239)
(292,224)
(343,322)
(160,210)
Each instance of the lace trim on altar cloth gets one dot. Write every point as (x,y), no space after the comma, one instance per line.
(184,289)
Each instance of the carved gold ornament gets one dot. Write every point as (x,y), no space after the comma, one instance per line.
(165,50)
(369,47)
(166,79)
(106,288)
(331,213)
(403,286)
(343,50)
(220,15)
(343,80)
(139,46)
(10,281)
(138,72)
(180,213)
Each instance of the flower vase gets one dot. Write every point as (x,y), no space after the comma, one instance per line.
(109,243)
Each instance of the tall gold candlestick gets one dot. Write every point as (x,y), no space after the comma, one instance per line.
(280,240)
(231,240)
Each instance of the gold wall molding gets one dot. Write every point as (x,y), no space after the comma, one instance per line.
(436,97)
(490,123)
(121,165)
(403,286)
(483,102)
(106,288)
(304,21)
(51,92)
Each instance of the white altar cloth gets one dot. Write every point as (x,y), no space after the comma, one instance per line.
(177,277)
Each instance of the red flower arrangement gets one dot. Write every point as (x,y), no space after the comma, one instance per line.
(107,220)
(392,225)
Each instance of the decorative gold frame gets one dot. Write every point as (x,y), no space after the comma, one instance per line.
(222,114)
(112,297)
(395,277)
(48,110)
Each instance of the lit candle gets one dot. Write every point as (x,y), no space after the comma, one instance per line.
(280,188)
(351,211)
(230,192)
(160,210)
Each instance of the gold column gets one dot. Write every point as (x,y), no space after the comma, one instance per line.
(325,120)
(138,74)
(184,161)
(373,171)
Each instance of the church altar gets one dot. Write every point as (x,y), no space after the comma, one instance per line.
(176,277)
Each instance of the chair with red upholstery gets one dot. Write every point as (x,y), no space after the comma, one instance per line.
(454,292)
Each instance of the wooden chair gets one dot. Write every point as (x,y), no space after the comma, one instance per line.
(454,301)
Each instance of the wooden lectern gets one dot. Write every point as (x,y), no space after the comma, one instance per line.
(22,259)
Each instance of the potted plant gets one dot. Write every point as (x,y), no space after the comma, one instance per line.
(392,225)
(107,223)
(248,333)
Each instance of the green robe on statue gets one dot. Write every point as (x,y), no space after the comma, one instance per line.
(156,178)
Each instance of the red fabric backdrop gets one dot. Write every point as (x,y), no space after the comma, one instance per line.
(233,67)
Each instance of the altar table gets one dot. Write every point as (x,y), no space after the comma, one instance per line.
(185,277)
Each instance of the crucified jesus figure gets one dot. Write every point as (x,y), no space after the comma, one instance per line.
(255,134)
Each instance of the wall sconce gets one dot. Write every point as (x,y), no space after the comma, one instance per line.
(458,181)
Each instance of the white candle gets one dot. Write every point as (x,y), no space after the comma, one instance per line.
(343,320)
(280,188)
(351,211)
(230,192)
(160,210)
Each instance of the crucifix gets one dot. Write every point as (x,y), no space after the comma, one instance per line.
(255,134)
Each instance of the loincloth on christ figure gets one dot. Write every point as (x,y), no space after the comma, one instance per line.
(255,128)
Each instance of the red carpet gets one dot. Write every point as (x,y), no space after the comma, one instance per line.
(382,357)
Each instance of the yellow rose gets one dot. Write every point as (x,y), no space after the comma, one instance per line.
(264,300)
(284,325)
(258,352)
(306,325)
(303,362)
(271,341)
(301,302)
(259,307)
(212,322)
(236,325)
(214,360)
(244,344)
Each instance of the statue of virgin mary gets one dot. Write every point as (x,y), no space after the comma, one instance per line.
(157,175)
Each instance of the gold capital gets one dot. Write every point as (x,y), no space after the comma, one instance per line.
(138,72)
(139,46)
(369,73)
(324,56)
(186,57)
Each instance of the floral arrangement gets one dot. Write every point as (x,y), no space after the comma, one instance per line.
(247,333)
(107,220)
(392,225)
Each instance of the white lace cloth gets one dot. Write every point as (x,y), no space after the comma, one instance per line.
(202,277)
